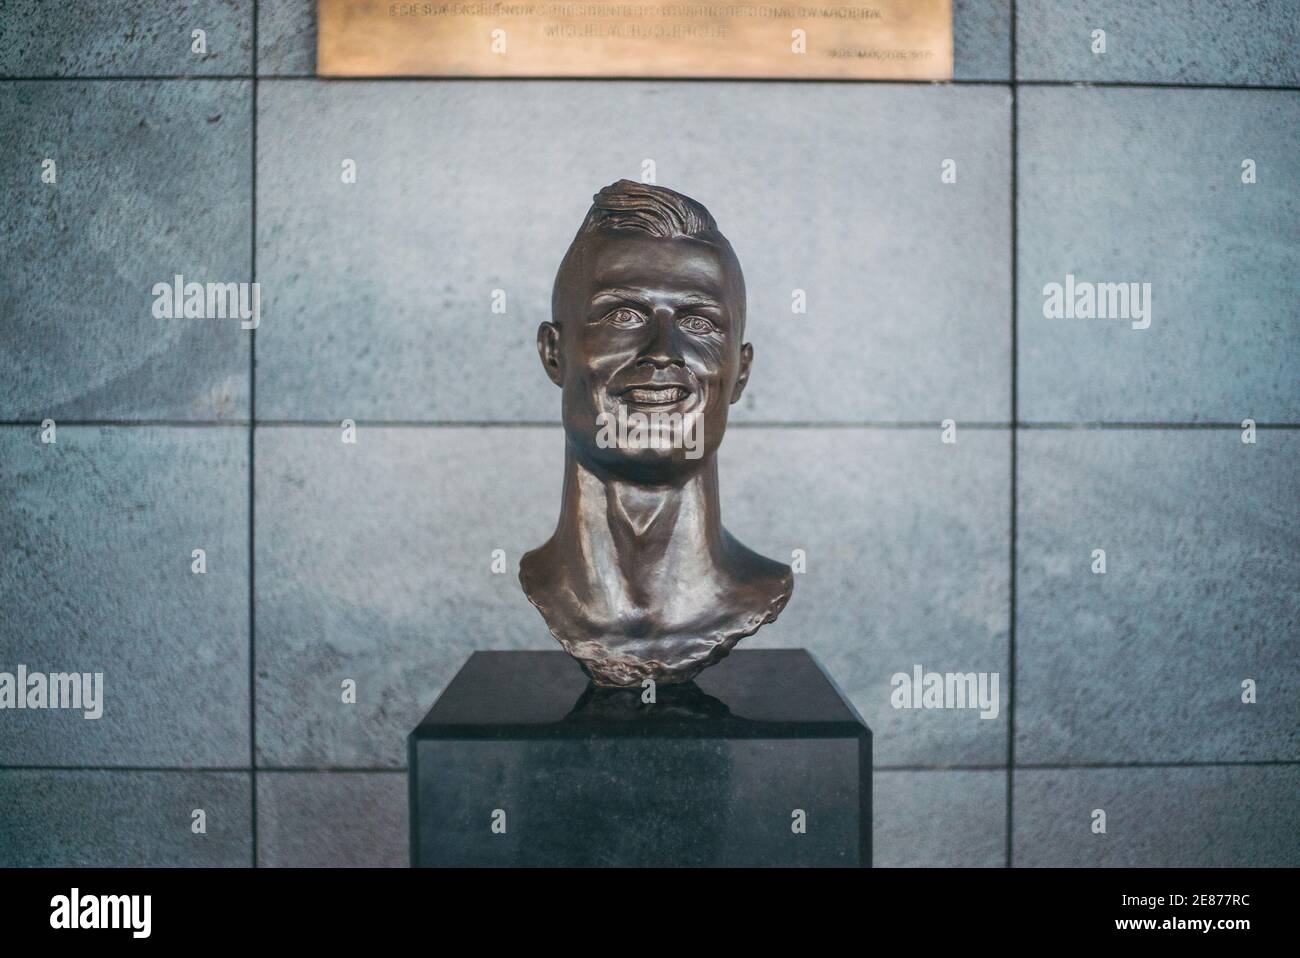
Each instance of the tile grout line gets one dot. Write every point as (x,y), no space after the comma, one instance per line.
(906,767)
(953,82)
(1009,824)
(979,424)
(252,471)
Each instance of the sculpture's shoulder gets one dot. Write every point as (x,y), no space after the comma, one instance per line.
(762,578)
(537,569)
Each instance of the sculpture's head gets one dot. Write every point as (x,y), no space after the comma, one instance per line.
(647,325)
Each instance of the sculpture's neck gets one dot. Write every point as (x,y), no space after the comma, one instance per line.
(637,536)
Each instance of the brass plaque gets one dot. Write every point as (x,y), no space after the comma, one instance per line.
(826,39)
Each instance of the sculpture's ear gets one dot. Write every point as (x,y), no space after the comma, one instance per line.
(746,358)
(548,347)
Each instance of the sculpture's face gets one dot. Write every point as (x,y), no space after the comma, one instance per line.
(653,326)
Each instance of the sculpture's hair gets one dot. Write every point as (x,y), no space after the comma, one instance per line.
(657,210)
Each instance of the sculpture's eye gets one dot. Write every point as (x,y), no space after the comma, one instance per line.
(625,318)
(699,324)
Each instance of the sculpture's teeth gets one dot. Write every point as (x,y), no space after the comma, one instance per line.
(657,395)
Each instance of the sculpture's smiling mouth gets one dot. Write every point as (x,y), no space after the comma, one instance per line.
(652,395)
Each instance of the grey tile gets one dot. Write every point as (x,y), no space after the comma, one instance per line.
(286,38)
(103,819)
(153,179)
(126,38)
(98,529)
(1124,185)
(939,819)
(1145,663)
(377,293)
(332,819)
(981,39)
(907,564)
(1160,41)
(374,564)
(1205,817)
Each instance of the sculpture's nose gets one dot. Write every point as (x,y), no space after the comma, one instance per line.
(661,349)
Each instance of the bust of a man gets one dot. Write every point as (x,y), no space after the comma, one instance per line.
(646,342)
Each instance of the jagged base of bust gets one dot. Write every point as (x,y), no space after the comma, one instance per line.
(607,667)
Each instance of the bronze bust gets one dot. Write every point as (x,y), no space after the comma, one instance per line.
(646,342)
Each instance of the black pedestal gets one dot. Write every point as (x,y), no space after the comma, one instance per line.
(760,761)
